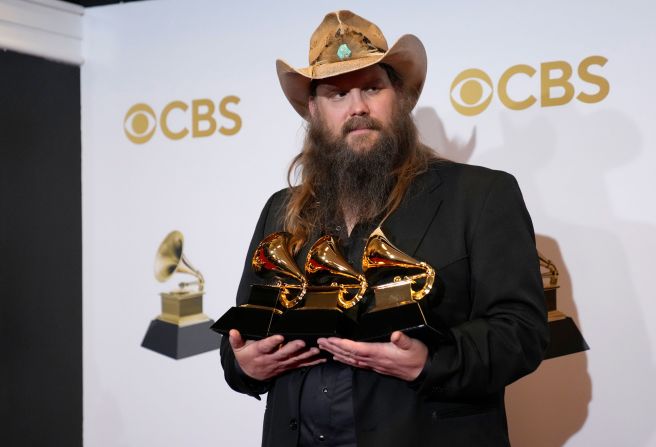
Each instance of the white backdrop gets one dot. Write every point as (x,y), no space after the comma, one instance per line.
(585,170)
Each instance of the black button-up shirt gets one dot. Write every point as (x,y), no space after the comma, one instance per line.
(326,407)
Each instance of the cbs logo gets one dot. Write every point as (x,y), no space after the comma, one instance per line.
(472,89)
(140,122)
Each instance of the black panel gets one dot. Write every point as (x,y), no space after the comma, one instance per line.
(40,253)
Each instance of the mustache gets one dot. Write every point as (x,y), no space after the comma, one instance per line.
(361,122)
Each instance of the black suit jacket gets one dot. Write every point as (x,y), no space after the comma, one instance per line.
(471,224)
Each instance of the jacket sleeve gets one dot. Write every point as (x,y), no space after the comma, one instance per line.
(234,376)
(506,333)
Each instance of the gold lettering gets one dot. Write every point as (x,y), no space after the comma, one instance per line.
(599,81)
(503,87)
(198,116)
(223,109)
(163,120)
(547,83)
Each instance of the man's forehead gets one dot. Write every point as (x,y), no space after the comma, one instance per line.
(364,76)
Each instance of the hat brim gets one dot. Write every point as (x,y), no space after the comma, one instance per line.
(407,57)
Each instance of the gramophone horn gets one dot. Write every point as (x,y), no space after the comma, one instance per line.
(170,259)
(273,259)
(325,265)
(381,257)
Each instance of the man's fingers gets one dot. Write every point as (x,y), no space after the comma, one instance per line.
(354,361)
(288,350)
(312,363)
(302,357)
(235,339)
(401,341)
(335,350)
(337,346)
(270,344)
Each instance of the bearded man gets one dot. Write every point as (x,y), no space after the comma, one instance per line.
(361,167)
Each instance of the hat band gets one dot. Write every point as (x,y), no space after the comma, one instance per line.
(329,69)
(331,59)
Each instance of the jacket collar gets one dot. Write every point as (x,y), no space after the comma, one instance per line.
(408,224)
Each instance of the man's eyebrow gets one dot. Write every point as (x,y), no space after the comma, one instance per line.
(327,87)
(365,81)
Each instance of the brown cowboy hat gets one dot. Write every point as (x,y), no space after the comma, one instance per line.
(345,42)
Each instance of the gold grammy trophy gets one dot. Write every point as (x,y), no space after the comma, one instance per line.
(181,330)
(258,317)
(333,289)
(399,300)
(565,336)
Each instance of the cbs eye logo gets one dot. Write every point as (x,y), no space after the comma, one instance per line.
(141,122)
(472,89)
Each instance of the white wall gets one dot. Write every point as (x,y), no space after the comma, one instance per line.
(585,170)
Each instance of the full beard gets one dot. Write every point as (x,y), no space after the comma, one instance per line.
(349,183)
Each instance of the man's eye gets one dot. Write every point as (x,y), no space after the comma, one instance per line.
(338,95)
(372,89)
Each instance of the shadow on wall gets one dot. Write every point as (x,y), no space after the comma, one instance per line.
(433,134)
(566,161)
(549,406)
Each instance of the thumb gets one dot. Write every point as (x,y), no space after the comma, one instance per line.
(400,340)
(235,339)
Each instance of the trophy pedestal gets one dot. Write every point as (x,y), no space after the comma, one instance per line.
(252,322)
(179,342)
(408,318)
(182,329)
(393,310)
(319,317)
(255,319)
(565,337)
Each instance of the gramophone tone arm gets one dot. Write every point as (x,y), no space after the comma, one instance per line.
(200,282)
(284,292)
(362,286)
(552,272)
(428,275)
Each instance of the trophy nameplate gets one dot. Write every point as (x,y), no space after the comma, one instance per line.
(181,329)
(395,305)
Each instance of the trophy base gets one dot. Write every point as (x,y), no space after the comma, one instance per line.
(410,318)
(252,321)
(179,342)
(310,324)
(565,338)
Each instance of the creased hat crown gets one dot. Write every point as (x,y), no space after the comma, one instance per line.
(343,27)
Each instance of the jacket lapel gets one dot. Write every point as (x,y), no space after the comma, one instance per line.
(407,225)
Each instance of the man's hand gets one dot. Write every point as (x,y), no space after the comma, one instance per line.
(268,358)
(401,357)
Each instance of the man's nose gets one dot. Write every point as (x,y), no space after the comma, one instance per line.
(358,104)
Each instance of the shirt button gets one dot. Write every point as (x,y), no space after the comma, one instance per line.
(322,438)
(324,390)
(338,228)
(293,425)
